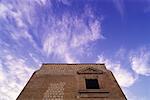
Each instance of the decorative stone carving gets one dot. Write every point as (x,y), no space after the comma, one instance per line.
(55,91)
(90,70)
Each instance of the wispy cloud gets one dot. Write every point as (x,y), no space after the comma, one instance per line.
(71,33)
(124,77)
(33,32)
(119,4)
(14,74)
(3,10)
(56,34)
(140,60)
(132,96)
(65,2)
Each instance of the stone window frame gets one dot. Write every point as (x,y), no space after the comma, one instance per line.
(84,76)
(90,73)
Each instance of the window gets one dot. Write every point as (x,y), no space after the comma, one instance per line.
(92,84)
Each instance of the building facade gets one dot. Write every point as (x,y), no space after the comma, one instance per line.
(72,82)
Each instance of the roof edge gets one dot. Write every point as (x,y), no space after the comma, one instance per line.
(73,64)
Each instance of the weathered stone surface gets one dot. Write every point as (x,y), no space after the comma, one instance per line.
(67,82)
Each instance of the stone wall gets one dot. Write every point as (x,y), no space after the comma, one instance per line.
(67,69)
(67,82)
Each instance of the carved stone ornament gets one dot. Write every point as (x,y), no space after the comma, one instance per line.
(90,70)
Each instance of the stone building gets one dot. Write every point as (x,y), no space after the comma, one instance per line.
(72,82)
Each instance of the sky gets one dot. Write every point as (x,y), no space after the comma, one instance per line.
(114,32)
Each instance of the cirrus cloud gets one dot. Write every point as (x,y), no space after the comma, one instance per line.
(33,32)
(140,60)
(123,76)
(14,74)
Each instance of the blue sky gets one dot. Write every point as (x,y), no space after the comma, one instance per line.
(114,32)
